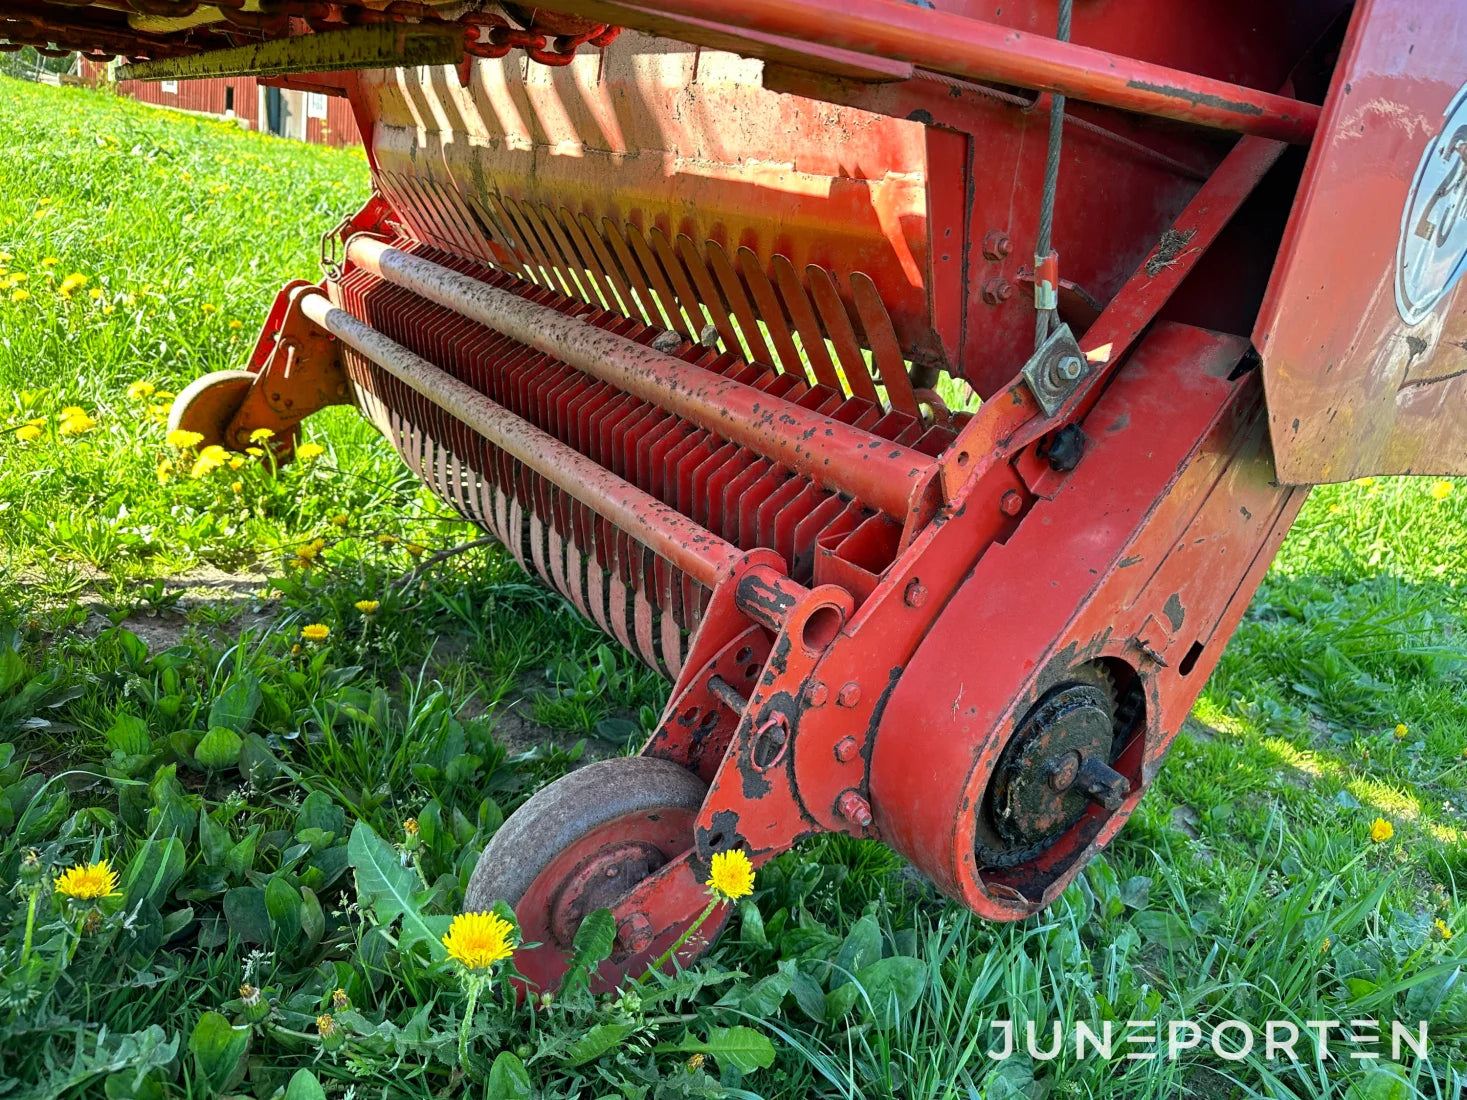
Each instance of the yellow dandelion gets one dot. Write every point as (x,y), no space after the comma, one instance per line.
(388,541)
(307,552)
(261,435)
(339,1000)
(1365,482)
(109,309)
(326,1026)
(237,487)
(341,519)
(316,632)
(76,425)
(183,439)
(1440,490)
(164,395)
(95,293)
(1401,731)
(410,826)
(74,281)
(5,257)
(50,261)
(1442,930)
(1381,830)
(307,451)
(19,295)
(413,548)
(29,433)
(731,876)
(236,324)
(236,461)
(695,1063)
(366,607)
(254,452)
(207,308)
(210,459)
(19,277)
(164,471)
(140,390)
(72,410)
(95,880)
(479,940)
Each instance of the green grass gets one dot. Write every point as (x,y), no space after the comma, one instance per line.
(160,716)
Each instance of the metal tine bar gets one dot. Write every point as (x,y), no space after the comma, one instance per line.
(772,312)
(618,295)
(563,267)
(886,352)
(590,292)
(708,292)
(592,236)
(495,231)
(660,285)
(528,241)
(510,228)
(635,277)
(838,327)
(448,218)
(577,249)
(557,279)
(687,297)
(811,337)
(756,347)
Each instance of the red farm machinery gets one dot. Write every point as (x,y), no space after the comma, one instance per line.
(924,388)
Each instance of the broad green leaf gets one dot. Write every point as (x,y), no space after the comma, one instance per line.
(593,942)
(389,889)
(247,914)
(1164,929)
(508,1078)
(219,1050)
(893,987)
(1386,1081)
(318,811)
(596,1042)
(234,707)
(283,903)
(743,1048)
(214,839)
(313,919)
(152,872)
(219,748)
(241,858)
(860,949)
(304,1086)
(765,996)
(129,736)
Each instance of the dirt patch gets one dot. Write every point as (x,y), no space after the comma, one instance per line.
(1185,821)
(208,600)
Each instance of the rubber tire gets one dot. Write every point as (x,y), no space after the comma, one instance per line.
(208,403)
(569,808)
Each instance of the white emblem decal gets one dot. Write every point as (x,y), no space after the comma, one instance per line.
(1433,251)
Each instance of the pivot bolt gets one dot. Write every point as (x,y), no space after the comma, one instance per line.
(996,245)
(849,695)
(1062,771)
(1103,784)
(635,932)
(854,808)
(817,693)
(916,593)
(1011,503)
(997,290)
(846,749)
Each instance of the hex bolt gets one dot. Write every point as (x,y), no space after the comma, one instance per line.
(854,808)
(849,695)
(612,872)
(1011,503)
(635,932)
(996,245)
(1102,784)
(916,593)
(1062,771)
(816,693)
(846,749)
(997,290)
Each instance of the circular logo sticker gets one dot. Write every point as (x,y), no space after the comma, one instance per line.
(1433,250)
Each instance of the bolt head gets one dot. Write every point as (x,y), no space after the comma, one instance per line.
(847,750)
(916,593)
(849,695)
(1011,503)
(635,932)
(854,808)
(1069,367)
(816,693)
(996,245)
(997,290)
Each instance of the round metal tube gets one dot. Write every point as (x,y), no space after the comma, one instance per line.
(848,460)
(667,532)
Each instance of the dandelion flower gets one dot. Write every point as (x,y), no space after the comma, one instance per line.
(366,607)
(183,439)
(236,461)
(261,435)
(732,875)
(5,257)
(1440,490)
(236,324)
(1381,830)
(29,433)
(87,883)
(19,295)
(307,552)
(76,425)
(50,261)
(72,410)
(341,519)
(695,1063)
(237,486)
(326,1025)
(1401,731)
(1442,929)
(210,459)
(410,826)
(479,940)
(95,293)
(413,548)
(164,471)
(74,281)
(339,1000)
(140,390)
(307,451)
(316,632)
(207,308)
(386,541)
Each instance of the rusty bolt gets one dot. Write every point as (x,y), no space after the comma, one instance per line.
(635,932)
(817,693)
(916,593)
(1011,503)
(846,749)
(854,808)
(997,290)
(849,695)
(996,245)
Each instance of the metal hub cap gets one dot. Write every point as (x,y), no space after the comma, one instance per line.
(598,882)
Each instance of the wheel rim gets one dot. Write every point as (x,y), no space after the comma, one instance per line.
(579,845)
(208,403)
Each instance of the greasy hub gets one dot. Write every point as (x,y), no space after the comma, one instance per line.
(1056,764)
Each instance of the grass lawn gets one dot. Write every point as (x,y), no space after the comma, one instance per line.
(300,818)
